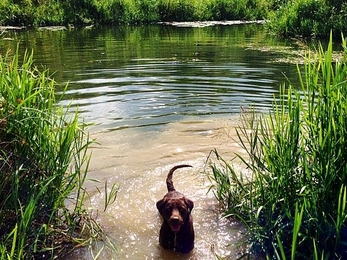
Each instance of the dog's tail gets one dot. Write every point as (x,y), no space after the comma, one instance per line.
(169,182)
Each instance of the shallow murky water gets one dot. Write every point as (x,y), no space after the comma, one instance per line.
(140,161)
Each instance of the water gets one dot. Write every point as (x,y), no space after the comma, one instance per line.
(125,77)
(140,161)
(159,96)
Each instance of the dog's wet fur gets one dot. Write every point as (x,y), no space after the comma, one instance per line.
(176,232)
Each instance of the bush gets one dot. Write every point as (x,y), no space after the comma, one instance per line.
(11,14)
(295,199)
(308,18)
(176,10)
(80,12)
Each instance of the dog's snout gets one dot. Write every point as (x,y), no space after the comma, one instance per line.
(175,214)
(175,219)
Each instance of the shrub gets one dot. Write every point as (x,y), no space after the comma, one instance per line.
(176,10)
(11,14)
(308,18)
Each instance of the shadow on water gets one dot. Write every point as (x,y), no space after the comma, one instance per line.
(160,96)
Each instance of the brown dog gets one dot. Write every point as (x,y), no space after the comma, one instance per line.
(177,231)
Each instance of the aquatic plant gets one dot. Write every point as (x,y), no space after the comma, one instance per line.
(43,165)
(294,199)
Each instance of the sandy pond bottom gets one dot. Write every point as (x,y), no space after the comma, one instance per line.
(139,161)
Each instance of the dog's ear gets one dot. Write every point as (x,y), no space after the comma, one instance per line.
(160,205)
(189,203)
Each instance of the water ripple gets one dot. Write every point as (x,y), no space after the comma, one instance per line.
(156,92)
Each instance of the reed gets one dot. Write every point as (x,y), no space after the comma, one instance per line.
(43,164)
(294,201)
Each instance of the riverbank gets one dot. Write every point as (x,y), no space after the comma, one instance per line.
(177,24)
(115,12)
(305,18)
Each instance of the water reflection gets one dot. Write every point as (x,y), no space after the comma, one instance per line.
(123,77)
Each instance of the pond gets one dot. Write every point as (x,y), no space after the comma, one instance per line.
(161,95)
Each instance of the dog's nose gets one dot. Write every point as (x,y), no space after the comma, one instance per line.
(175,219)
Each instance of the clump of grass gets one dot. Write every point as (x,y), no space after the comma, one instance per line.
(43,164)
(294,201)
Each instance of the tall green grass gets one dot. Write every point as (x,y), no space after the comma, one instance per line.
(294,197)
(43,164)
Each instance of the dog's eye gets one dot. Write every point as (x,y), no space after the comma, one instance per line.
(183,211)
(167,210)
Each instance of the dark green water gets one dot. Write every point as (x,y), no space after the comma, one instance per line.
(143,76)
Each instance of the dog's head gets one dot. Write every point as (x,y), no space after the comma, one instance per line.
(175,211)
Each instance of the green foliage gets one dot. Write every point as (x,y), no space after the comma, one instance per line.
(10,14)
(176,10)
(309,18)
(58,12)
(229,10)
(43,160)
(294,200)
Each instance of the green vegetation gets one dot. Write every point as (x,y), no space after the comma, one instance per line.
(294,199)
(308,18)
(43,165)
(58,12)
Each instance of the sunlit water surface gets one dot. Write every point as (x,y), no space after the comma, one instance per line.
(159,96)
